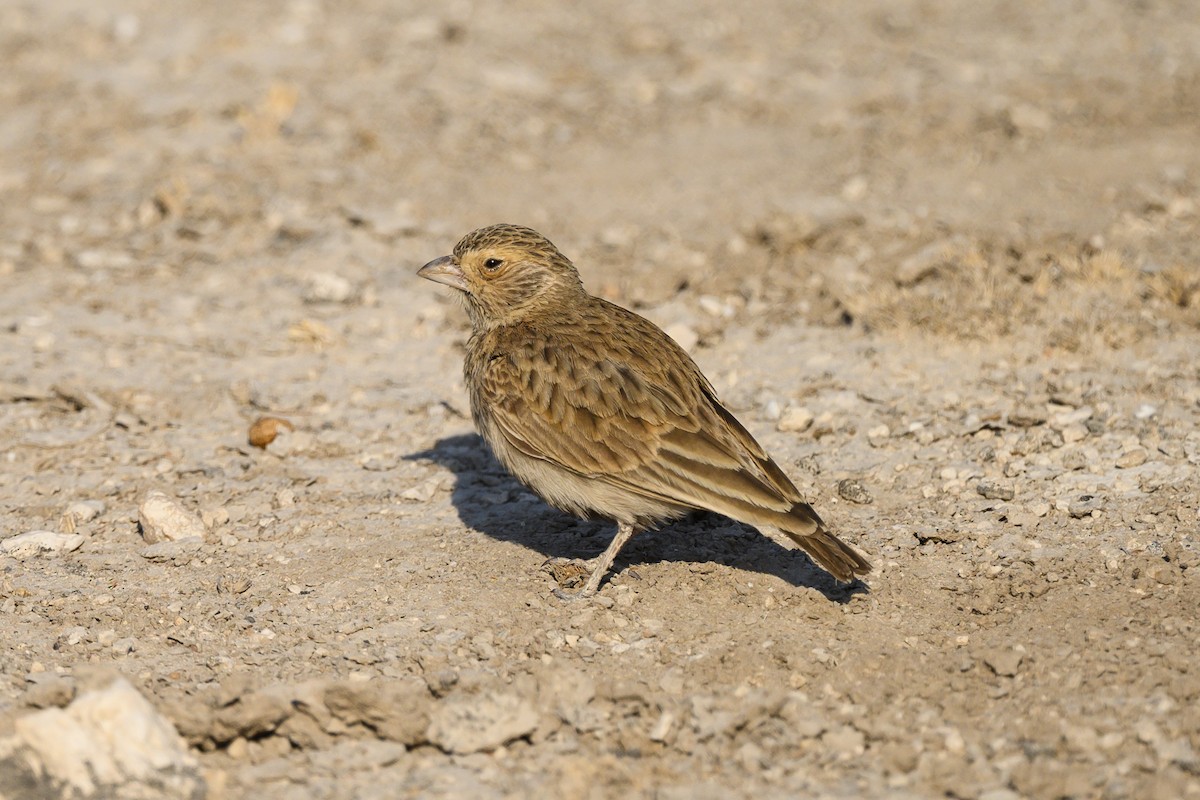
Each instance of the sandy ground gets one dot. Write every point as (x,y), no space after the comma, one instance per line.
(961,238)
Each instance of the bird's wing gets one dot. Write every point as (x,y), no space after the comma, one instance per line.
(650,425)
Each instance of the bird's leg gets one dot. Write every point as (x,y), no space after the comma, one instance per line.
(598,566)
(624,531)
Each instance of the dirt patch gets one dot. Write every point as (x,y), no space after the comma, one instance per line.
(942,261)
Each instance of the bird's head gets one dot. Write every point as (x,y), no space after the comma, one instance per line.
(506,272)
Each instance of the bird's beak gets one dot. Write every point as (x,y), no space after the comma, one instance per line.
(444,270)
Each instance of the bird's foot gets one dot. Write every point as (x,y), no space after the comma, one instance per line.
(569,573)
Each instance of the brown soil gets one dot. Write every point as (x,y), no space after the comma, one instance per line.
(965,236)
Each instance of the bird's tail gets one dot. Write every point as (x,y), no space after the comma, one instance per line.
(832,554)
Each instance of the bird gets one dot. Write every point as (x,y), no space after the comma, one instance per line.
(601,413)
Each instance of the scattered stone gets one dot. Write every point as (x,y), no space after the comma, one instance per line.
(1076,416)
(1026,417)
(715,307)
(326,287)
(163,520)
(422,492)
(1145,411)
(1004,661)
(48,690)
(844,742)
(250,714)
(1132,458)
(179,553)
(1075,432)
(480,723)
(124,646)
(795,419)
(993,490)
(35,543)
(567,694)
(107,743)
(662,728)
(85,510)
(266,429)
(851,489)
(1084,505)
(396,710)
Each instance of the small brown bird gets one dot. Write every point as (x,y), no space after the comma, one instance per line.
(600,412)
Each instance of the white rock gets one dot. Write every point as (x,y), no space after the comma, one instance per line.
(480,723)
(86,510)
(1145,411)
(715,307)
(326,287)
(163,520)
(795,418)
(104,739)
(35,542)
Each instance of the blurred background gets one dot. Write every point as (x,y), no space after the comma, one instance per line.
(941,165)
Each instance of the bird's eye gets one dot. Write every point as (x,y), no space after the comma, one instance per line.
(492,263)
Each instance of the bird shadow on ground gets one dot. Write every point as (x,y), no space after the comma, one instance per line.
(492,502)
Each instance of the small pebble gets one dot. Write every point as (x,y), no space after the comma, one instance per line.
(325,287)
(1145,411)
(1003,661)
(844,742)
(1040,509)
(851,489)
(86,510)
(715,307)
(1132,458)
(995,491)
(163,520)
(878,435)
(1027,417)
(1084,505)
(795,419)
(124,646)
(1075,432)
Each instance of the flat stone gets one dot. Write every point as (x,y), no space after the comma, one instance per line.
(993,490)
(35,543)
(481,723)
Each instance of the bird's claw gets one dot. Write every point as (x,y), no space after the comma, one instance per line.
(571,597)
(568,572)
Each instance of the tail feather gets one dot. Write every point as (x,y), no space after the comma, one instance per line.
(832,554)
